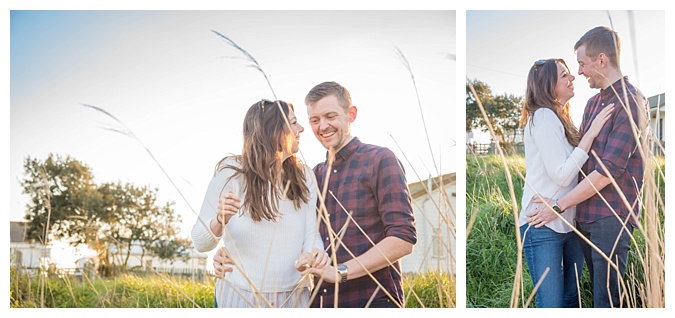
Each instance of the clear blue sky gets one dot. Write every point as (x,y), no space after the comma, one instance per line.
(501,46)
(176,85)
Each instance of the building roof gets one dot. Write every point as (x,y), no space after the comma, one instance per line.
(418,189)
(657,101)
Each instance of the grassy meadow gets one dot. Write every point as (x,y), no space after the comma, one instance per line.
(494,276)
(431,290)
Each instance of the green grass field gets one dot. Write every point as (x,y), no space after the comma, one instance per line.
(491,248)
(433,290)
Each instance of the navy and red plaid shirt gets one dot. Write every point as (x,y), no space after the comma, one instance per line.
(369,182)
(617,148)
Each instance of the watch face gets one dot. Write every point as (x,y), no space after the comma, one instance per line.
(342,270)
(555,206)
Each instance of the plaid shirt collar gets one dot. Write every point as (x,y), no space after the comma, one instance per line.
(347,151)
(608,93)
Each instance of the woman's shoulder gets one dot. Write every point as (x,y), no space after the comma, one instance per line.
(544,117)
(309,172)
(544,113)
(310,176)
(227,163)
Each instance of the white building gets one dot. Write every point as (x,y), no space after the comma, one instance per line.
(30,254)
(434,202)
(27,254)
(195,262)
(657,122)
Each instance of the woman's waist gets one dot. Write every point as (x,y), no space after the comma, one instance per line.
(546,188)
(266,281)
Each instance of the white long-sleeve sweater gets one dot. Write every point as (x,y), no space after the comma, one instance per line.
(265,251)
(552,165)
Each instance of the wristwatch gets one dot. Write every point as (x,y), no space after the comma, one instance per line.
(556,207)
(342,270)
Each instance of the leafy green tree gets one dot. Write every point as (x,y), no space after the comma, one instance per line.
(169,249)
(65,203)
(143,223)
(503,111)
(63,198)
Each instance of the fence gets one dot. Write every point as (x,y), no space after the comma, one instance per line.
(659,150)
(491,148)
(186,273)
(194,274)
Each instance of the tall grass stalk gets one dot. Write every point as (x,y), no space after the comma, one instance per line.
(46,196)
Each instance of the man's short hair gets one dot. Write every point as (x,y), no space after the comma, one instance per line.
(329,88)
(601,40)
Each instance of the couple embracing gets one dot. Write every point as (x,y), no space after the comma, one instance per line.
(346,223)
(571,210)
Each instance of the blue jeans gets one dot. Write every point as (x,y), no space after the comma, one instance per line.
(560,253)
(603,233)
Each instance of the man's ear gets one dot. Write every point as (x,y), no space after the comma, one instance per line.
(352,113)
(603,59)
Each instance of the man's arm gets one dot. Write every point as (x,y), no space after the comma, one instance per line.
(387,251)
(591,185)
(395,210)
(584,190)
(383,254)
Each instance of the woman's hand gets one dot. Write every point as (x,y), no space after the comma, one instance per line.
(328,273)
(228,205)
(221,260)
(315,259)
(600,121)
(317,263)
(542,215)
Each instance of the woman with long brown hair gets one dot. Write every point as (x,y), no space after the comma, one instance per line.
(554,153)
(262,205)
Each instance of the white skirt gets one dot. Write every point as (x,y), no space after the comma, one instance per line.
(229,296)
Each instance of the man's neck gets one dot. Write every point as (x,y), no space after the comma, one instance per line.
(334,151)
(348,140)
(613,75)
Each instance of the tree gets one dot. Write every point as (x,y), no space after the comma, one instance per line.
(162,239)
(168,249)
(67,204)
(142,223)
(63,198)
(503,111)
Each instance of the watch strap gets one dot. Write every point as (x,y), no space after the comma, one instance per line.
(556,207)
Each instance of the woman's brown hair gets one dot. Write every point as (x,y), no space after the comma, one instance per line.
(267,177)
(540,93)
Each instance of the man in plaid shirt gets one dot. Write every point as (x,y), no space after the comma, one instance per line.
(619,156)
(368,207)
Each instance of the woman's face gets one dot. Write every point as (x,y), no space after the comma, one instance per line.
(296,129)
(564,89)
